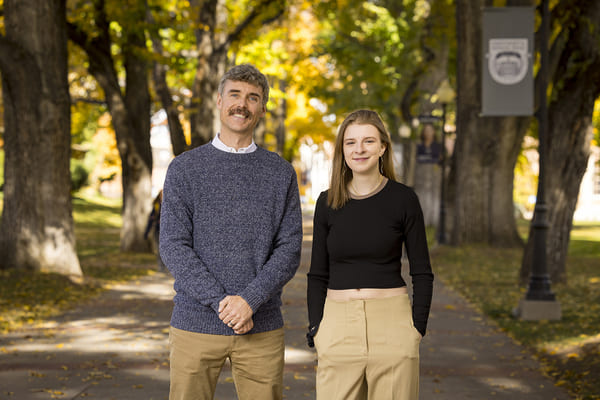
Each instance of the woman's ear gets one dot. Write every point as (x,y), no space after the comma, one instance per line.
(384,148)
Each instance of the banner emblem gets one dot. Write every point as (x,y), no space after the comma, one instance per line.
(508,60)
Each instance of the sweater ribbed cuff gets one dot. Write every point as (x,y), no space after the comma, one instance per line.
(253,301)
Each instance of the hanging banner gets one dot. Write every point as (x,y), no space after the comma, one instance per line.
(507,76)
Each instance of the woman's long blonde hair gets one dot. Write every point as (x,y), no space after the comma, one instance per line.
(341,174)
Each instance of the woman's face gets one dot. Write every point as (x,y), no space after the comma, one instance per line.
(362,147)
(428,133)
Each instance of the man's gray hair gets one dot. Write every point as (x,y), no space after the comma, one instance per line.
(246,73)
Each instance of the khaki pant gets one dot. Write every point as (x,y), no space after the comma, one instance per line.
(368,349)
(197,360)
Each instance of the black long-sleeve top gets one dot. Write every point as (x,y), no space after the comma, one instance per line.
(360,246)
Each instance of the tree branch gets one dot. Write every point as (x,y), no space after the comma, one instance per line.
(87,100)
(233,36)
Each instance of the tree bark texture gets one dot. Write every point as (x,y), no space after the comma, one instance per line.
(137,172)
(486,149)
(37,226)
(130,114)
(575,78)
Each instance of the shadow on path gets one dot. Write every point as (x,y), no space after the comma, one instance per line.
(116,347)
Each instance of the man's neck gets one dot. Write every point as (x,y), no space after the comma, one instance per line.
(234,140)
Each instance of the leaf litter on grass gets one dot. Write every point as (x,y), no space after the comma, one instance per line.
(569,348)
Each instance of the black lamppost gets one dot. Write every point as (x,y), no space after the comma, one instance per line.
(539,283)
(445,95)
(540,302)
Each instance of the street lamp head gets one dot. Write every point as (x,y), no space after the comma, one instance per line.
(445,93)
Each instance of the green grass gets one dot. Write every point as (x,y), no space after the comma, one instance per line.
(29,297)
(569,348)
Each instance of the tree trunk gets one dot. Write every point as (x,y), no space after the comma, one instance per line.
(137,172)
(130,118)
(204,114)
(569,132)
(37,226)
(486,149)
(162,89)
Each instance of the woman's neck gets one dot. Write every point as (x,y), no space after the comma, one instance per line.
(363,184)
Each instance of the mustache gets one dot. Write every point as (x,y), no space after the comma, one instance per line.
(240,110)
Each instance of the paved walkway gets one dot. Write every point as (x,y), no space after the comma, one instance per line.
(115,347)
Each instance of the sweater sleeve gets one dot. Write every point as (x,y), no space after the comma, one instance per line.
(176,242)
(285,257)
(419,263)
(318,275)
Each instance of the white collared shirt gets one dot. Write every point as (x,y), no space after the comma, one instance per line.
(223,147)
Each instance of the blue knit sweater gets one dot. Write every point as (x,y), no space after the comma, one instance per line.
(230,225)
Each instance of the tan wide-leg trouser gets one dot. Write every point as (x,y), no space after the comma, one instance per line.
(368,349)
(197,359)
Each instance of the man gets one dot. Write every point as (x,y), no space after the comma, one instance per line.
(231,234)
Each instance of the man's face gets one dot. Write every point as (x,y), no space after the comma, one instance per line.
(240,107)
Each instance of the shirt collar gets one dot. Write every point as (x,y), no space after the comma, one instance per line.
(223,147)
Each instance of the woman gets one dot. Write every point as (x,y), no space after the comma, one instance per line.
(365,330)
(429,150)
